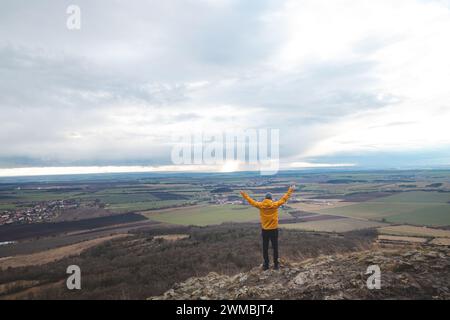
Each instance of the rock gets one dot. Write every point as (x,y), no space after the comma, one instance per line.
(403,266)
(432,254)
(338,296)
(303,277)
(243,278)
(420,273)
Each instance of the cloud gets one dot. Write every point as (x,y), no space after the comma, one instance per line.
(338,79)
(302,165)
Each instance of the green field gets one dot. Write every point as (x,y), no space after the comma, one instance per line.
(116,198)
(202,216)
(145,205)
(24,196)
(413,231)
(376,210)
(337,225)
(7,206)
(163,196)
(434,216)
(416,197)
(417,208)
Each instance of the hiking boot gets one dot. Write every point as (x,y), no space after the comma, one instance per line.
(265,267)
(276,267)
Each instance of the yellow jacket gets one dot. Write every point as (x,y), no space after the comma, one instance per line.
(268,209)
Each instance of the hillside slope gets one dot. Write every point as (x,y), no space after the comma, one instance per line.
(419,273)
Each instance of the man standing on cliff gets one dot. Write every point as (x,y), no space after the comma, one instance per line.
(268,211)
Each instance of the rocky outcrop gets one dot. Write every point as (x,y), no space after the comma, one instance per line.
(420,273)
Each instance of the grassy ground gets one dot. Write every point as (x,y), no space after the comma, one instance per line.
(418,208)
(337,225)
(213,214)
(51,255)
(414,231)
(376,210)
(118,197)
(138,266)
(145,205)
(21,196)
(416,197)
(115,198)
(432,216)
(7,206)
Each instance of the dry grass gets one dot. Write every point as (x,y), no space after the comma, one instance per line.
(172,237)
(333,225)
(52,255)
(402,239)
(17,284)
(315,207)
(441,241)
(32,290)
(405,230)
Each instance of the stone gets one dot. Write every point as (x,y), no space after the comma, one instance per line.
(406,274)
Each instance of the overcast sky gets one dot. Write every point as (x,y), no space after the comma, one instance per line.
(347,82)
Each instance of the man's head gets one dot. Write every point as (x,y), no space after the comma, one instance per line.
(269,196)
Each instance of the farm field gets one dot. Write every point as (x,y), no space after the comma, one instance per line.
(7,206)
(441,241)
(375,210)
(416,197)
(383,237)
(48,256)
(437,216)
(142,206)
(25,196)
(175,209)
(317,206)
(417,208)
(336,225)
(20,232)
(69,201)
(413,231)
(202,199)
(205,215)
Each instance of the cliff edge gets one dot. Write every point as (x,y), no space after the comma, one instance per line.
(408,273)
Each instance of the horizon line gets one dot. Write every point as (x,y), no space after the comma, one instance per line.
(24,172)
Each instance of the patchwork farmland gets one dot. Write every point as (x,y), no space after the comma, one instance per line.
(206,215)
(364,199)
(164,215)
(415,207)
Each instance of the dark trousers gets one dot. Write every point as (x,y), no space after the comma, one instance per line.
(272,236)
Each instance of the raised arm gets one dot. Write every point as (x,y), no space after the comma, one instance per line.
(250,200)
(285,197)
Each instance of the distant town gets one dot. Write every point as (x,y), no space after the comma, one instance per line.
(39,212)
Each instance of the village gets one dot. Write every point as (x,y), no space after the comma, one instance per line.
(226,199)
(38,212)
